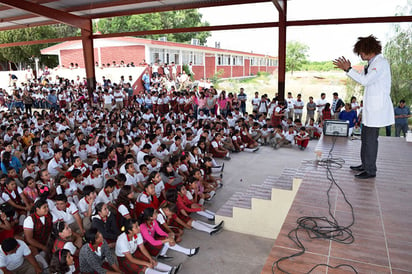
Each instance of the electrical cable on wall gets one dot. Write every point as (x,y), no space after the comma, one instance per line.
(323,227)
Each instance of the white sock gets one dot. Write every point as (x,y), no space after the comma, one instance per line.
(205,214)
(164,249)
(250,149)
(163,267)
(179,248)
(206,224)
(201,201)
(210,212)
(154,271)
(201,227)
(40,259)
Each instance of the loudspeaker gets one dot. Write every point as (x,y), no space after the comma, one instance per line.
(336,128)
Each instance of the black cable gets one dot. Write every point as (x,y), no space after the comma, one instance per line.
(322,227)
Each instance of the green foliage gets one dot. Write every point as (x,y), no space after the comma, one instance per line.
(23,53)
(262,73)
(157,21)
(296,55)
(318,66)
(215,78)
(353,89)
(398,51)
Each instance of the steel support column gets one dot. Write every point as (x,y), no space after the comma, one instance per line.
(281,7)
(88,53)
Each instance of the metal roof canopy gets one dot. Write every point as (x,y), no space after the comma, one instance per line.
(16,14)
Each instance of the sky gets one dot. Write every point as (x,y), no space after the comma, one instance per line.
(325,42)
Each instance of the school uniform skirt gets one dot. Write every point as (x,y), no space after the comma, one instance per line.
(128,267)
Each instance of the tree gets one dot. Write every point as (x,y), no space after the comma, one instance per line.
(296,55)
(398,51)
(157,21)
(23,54)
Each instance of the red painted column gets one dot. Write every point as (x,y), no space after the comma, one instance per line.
(88,53)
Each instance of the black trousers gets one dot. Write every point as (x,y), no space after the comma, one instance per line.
(369,148)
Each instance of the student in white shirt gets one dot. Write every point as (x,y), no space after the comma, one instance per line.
(16,257)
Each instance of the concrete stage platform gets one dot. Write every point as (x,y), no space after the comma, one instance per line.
(382,209)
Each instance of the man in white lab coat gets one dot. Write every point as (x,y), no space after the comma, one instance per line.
(377,103)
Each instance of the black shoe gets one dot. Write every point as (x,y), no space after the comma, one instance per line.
(195,251)
(223,167)
(219,225)
(364,175)
(176,269)
(164,258)
(215,231)
(357,168)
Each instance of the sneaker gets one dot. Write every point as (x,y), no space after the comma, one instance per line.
(219,185)
(164,257)
(256,149)
(193,252)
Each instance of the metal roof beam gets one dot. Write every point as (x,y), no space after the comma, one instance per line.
(57,15)
(339,21)
(205,4)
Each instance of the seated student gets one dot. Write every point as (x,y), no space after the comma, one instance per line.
(30,191)
(9,161)
(186,206)
(96,256)
(217,149)
(200,189)
(142,176)
(290,135)
(37,228)
(78,164)
(171,223)
(62,237)
(111,171)
(169,176)
(206,171)
(79,180)
(129,159)
(147,198)
(156,179)
(120,182)
(13,195)
(106,194)
(87,205)
(105,222)
(69,213)
(152,163)
(8,225)
(62,262)
(131,176)
(55,166)
(68,188)
(125,205)
(156,240)
(16,257)
(31,169)
(96,178)
(133,256)
(302,138)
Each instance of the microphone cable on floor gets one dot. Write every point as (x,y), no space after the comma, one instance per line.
(322,227)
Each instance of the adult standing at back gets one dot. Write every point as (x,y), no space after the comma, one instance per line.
(402,113)
(377,104)
(242,98)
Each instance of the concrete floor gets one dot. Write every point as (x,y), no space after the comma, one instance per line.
(231,252)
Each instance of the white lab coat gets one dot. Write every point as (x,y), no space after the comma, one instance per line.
(377,104)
